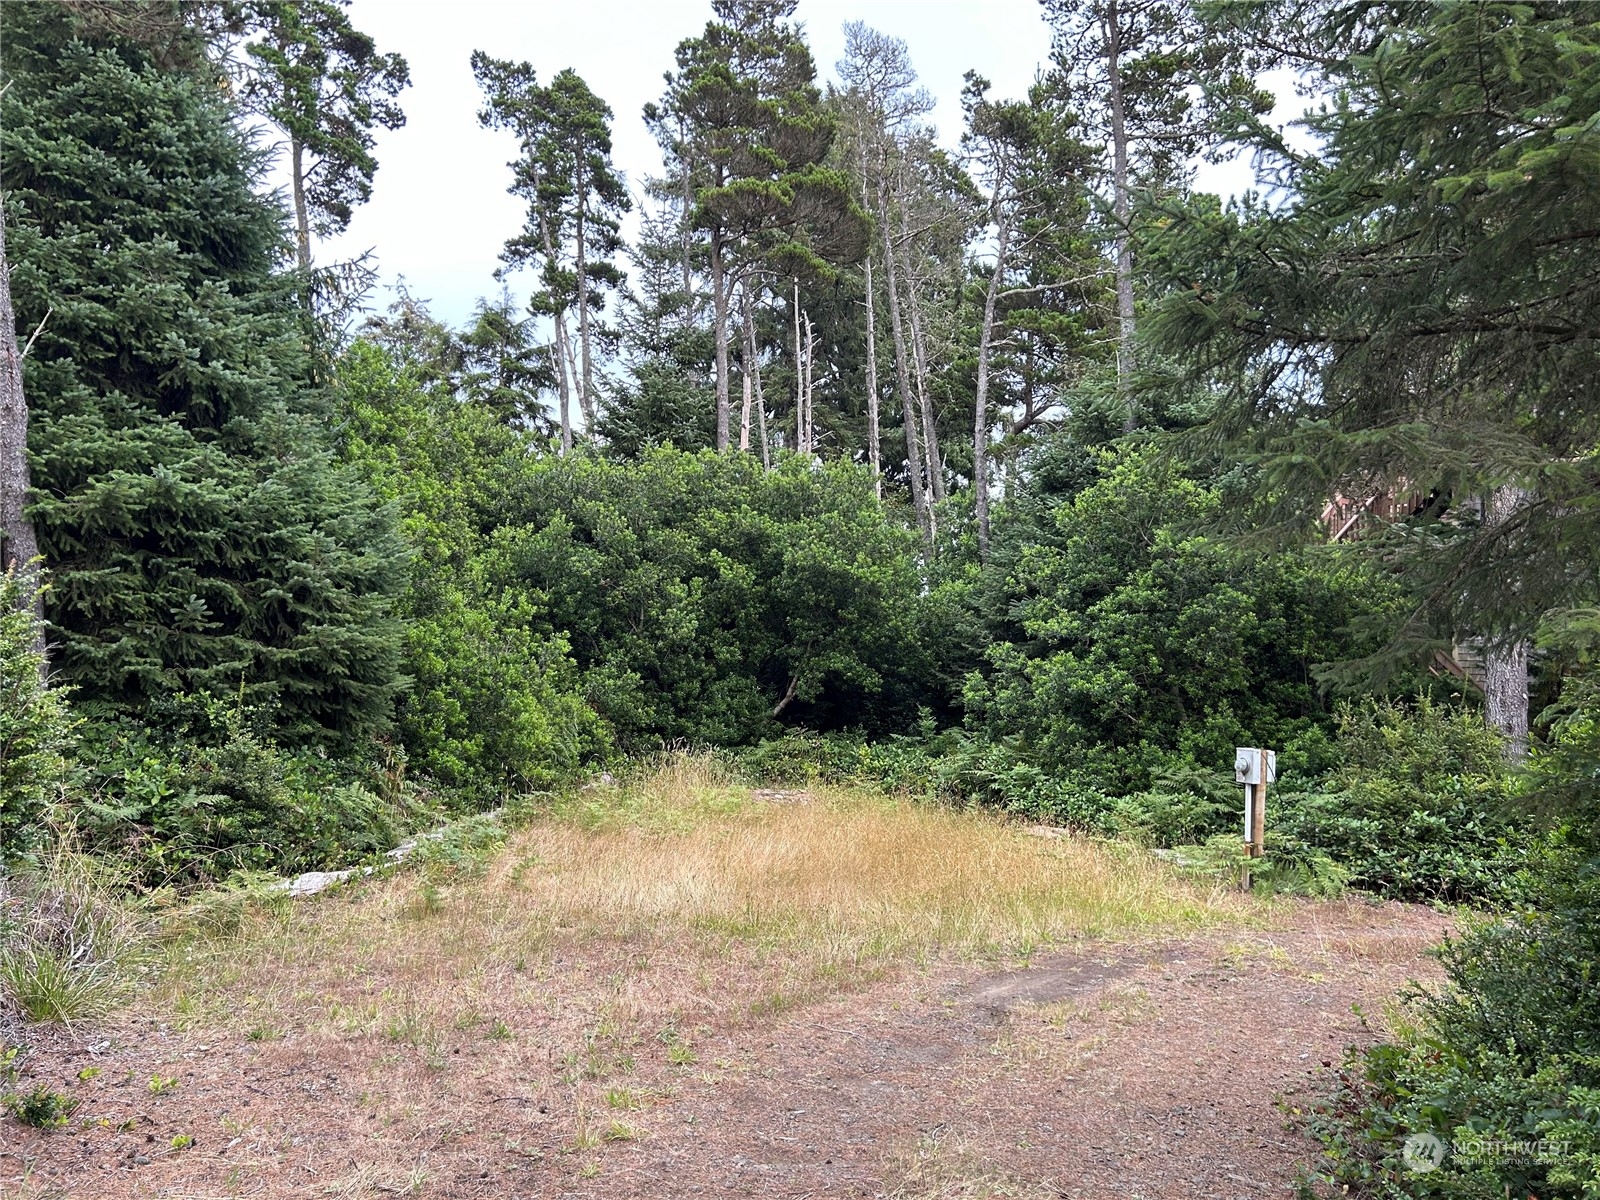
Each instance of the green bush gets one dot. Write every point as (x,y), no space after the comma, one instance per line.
(1128,643)
(1506,1057)
(208,793)
(1422,806)
(35,728)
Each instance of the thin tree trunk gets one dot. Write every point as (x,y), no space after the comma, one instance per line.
(902,374)
(302,218)
(683,228)
(1121,209)
(746,368)
(810,443)
(919,359)
(558,351)
(799,375)
(873,449)
(584,378)
(18,546)
(755,372)
(980,425)
(1505,664)
(719,303)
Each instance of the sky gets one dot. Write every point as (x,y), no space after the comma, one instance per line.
(439,211)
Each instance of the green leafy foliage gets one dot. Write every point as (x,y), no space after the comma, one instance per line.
(706,599)
(35,728)
(1134,643)
(1502,1066)
(207,791)
(494,705)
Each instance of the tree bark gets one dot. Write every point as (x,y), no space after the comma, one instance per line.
(585,379)
(18,546)
(919,359)
(302,218)
(1121,208)
(809,437)
(902,374)
(558,351)
(874,451)
(719,304)
(980,424)
(755,372)
(683,227)
(1505,664)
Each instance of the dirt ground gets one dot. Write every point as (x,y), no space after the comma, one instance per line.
(1127,1071)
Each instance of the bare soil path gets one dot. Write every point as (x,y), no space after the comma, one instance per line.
(1106,1070)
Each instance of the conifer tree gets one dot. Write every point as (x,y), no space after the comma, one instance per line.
(743,126)
(1417,318)
(198,534)
(325,85)
(575,202)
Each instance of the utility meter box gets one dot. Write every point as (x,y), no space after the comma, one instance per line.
(1251,765)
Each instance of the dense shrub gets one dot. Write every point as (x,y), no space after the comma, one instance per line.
(706,599)
(35,728)
(1421,807)
(1133,645)
(1502,1066)
(206,792)
(494,706)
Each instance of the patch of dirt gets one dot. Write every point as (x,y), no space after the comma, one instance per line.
(1114,1071)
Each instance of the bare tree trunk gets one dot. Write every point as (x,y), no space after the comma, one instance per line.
(1121,209)
(302,218)
(809,438)
(18,546)
(585,377)
(755,372)
(799,376)
(902,375)
(1505,664)
(719,303)
(980,425)
(558,351)
(873,449)
(745,368)
(919,358)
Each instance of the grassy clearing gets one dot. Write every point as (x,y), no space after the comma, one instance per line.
(676,896)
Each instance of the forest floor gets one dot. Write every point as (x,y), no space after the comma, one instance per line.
(725,993)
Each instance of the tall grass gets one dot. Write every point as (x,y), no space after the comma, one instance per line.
(70,947)
(681,848)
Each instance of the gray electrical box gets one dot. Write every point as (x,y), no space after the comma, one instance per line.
(1249,763)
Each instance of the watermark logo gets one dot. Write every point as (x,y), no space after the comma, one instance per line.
(1422,1152)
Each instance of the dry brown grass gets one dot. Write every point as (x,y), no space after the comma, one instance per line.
(674,896)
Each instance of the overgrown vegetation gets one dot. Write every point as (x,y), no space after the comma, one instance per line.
(961,489)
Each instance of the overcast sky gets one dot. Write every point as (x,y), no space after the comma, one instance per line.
(439,211)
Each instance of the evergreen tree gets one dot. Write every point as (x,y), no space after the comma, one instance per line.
(743,125)
(197,532)
(1152,80)
(1418,317)
(324,84)
(575,202)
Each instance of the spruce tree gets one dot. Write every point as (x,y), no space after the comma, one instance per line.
(197,532)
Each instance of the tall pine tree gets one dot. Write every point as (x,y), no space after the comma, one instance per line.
(198,534)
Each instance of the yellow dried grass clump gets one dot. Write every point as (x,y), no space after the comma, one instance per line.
(680,848)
